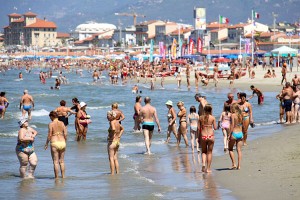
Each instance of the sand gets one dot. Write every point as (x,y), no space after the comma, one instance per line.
(270,166)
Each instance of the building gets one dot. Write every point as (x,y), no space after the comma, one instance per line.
(146,30)
(29,30)
(89,29)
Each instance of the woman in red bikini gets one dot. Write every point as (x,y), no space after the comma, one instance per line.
(84,120)
(207,125)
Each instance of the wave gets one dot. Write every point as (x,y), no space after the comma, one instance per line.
(266,123)
(38,113)
(141,144)
(10,134)
(46,95)
(103,107)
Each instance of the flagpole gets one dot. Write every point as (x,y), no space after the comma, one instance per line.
(219,37)
(252,47)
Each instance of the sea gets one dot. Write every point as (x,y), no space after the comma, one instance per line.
(170,173)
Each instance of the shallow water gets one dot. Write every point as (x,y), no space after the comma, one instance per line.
(171,173)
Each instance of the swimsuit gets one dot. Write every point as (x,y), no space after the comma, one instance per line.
(148,126)
(193,128)
(204,137)
(261,99)
(135,115)
(226,122)
(237,135)
(246,110)
(287,105)
(59,145)
(64,119)
(27,107)
(26,148)
(170,118)
(2,108)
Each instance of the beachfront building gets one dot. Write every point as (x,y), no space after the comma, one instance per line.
(90,29)
(1,42)
(125,37)
(28,30)
(97,40)
(146,30)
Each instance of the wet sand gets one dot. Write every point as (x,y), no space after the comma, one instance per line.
(269,170)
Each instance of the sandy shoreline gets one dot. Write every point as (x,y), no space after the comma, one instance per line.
(270,168)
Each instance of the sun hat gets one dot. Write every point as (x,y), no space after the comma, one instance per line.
(22,121)
(169,103)
(82,104)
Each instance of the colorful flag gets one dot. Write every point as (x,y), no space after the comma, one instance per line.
(151,50)
(255,14)
(161,48)
(179,49)
(173,49)
(199,45)
(223,20)
(191,46)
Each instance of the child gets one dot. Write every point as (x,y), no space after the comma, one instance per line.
(193,119)
(224,123)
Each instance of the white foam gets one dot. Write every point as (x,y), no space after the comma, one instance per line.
(266,123)
(103,107)
(141,144)
(158,194)
(38,113)
(123,156)
(10,134)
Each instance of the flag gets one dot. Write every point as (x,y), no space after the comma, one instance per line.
(151,50)
(161,48)
(180,48)
(191,46)
(255,14)
(173,49)
(223,20)
(199,45)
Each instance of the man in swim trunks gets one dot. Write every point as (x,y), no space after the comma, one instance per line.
(148,114)
(3,104)
(27,104)
(260,96)
(64,112)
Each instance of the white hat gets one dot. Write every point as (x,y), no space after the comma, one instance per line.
(169,103)
(82,104)
(22,121)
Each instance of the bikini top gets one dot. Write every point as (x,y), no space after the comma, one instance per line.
(169,116)
(246,109)
(82,117)
(193,118)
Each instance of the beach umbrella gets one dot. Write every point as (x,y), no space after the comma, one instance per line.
(221,60)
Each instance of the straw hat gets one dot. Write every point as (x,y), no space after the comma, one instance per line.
(169,103)
(22,121)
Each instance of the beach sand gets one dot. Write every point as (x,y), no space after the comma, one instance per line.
(269,170)
(270,166)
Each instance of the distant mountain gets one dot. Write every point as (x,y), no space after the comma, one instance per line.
(67,14)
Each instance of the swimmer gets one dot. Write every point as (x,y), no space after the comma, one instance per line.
(57,136)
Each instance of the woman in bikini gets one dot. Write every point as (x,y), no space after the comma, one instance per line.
(236,135)
(83,120)
(193,119)
(57,136)
(25,149)
(224,123)
(246,109)
(207,125)
(182,129)
(171,122)
(76,107)
(115,132)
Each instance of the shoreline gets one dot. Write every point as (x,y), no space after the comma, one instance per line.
(269,168)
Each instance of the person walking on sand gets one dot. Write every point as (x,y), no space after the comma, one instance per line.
(171,122)
(206,126)
(148,114)
(283,73)
(115,132)
(25,149)
(235,136)
(57,136)
(260,96)
(26,104)
(182,129)
(246,109)
(224,123)
(193,119)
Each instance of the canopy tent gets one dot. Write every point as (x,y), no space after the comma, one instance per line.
(284,50)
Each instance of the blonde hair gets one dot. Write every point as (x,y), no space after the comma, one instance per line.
(114,105)
(235,108)
(180,103)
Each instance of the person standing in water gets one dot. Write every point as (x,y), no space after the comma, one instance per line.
(171,122)
(26,104)
(57,136)
(25,149)
(148,114)
(3,104)
(137,108)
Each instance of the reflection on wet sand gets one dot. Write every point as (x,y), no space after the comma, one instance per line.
(210,188)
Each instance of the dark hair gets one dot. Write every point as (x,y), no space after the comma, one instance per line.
(192,109)
(2,94)
(53,114)
(227,108)
(252,86)
(243,94)
(62,102)
(137,98)
(75,100)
